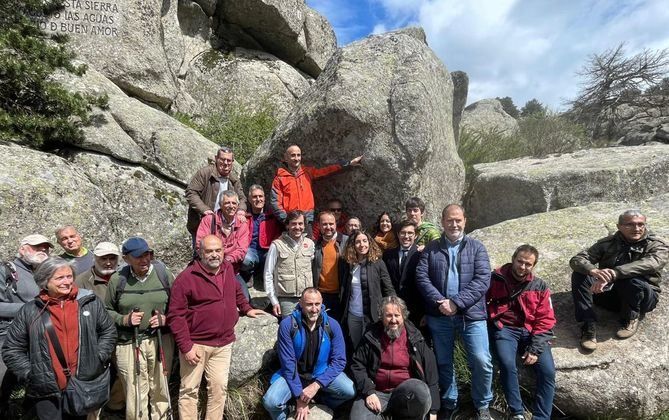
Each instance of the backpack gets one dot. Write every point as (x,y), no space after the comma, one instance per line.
(11,280)
(124,273)
(295,328)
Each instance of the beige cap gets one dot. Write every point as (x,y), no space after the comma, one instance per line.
(36,239)
(106,248)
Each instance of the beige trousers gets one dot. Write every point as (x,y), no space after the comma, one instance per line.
(215,364)
(152,387)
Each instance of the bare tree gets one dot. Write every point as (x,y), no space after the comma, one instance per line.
(611,80)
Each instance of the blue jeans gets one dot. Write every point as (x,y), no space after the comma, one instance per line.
(507,344)
(278,395)
(474,336)
(253,262)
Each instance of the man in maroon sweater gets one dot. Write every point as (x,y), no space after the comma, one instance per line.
(202,314)
(394,371)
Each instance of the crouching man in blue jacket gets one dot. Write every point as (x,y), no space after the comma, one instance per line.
(313,356)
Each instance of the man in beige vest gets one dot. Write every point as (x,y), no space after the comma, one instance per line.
(288,266)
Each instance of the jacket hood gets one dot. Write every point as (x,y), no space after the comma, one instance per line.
(285,171)
(505,271)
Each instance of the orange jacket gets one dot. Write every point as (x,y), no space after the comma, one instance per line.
(292,191)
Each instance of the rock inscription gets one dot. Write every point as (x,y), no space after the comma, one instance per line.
(86,17)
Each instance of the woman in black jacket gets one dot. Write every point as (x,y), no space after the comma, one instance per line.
(366,283)
(85,333)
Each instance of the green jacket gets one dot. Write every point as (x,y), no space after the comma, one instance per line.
(426,233)
(146,296)
(644,258)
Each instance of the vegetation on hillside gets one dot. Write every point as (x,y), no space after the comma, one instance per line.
(33,108)
(237,126)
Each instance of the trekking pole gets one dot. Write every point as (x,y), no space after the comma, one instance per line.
(138,397)
(166,374)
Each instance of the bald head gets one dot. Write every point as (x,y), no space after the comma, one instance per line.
(293,157)
(211,253)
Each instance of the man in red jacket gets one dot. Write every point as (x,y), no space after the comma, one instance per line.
(291,188)
(202,315)
(522,318)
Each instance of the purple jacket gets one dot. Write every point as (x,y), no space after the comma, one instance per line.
(202,312)
(474,269)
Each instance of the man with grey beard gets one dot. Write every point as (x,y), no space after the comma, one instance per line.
(394,371)
(106,256)
(17,287)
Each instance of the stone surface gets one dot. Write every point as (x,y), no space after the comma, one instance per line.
(134,132)
(246,78)
(460,90)
(387,97)
(621,379)
(286,28)
(253,349)
(487,115)
(519,187)
(106,199)
(635,126)
(317,412)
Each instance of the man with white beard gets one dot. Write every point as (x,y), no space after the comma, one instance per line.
(106,256)
(17,287)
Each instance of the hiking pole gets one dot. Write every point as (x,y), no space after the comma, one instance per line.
(138,397)
(166,374)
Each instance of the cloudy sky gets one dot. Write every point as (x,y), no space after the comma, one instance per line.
(519,48)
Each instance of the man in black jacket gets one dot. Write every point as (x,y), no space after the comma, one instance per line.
(394,371)
(401,263)
(328,265)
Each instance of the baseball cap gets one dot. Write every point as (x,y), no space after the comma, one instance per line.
(36,239)
(106,248)
(135,246)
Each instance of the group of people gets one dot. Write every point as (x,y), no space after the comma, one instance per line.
(365,316)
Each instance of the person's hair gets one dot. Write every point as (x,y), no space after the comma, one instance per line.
(351,255)
(356,218)
(228,193)
(45,270)
(448,207)
(309,290)
(256,187)
(415,202)
(334,200)
(629,213)
(61,229)
(326,213)
(377,225)
(526,248)
(404,223)
(292,215)
(224,149)
(396,301)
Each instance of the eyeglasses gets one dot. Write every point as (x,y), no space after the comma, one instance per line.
(633,225)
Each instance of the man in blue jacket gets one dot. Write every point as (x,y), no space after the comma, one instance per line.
(313,356)
(453,275)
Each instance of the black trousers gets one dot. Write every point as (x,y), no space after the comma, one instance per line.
(52,409)
(632,297)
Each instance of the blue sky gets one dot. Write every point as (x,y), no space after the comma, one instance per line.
(519,48)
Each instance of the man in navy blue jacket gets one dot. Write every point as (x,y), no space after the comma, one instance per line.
(313,356)
(453,275)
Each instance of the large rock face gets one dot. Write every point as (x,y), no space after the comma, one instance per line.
(519,187)
(460,90)
(633,374)
(104,198)
(136,133)
(487,115)
(253,349)
(387,97)
(286,28)
(244,78)
(140,45)
(635,126)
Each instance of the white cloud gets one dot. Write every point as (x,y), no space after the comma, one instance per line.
(379,28)
(529,48)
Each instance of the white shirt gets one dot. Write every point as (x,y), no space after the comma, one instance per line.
(222,186)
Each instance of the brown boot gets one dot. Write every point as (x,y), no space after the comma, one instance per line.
(589,336)
(629,329)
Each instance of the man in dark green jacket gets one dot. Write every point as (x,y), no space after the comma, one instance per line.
(621,272)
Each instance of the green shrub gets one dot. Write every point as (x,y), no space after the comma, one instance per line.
(33,108)
(238,126)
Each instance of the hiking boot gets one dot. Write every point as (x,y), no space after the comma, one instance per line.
(517,417)
(483,414)
(589,336)
(447,413)
(628,329)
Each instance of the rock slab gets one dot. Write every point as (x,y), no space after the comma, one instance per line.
(632,374)
(389,98)
(486,115)
(519,187)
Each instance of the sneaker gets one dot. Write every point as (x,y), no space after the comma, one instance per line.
(517,417)
(628,329)
(483,414)
(447,413)
(589,336)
